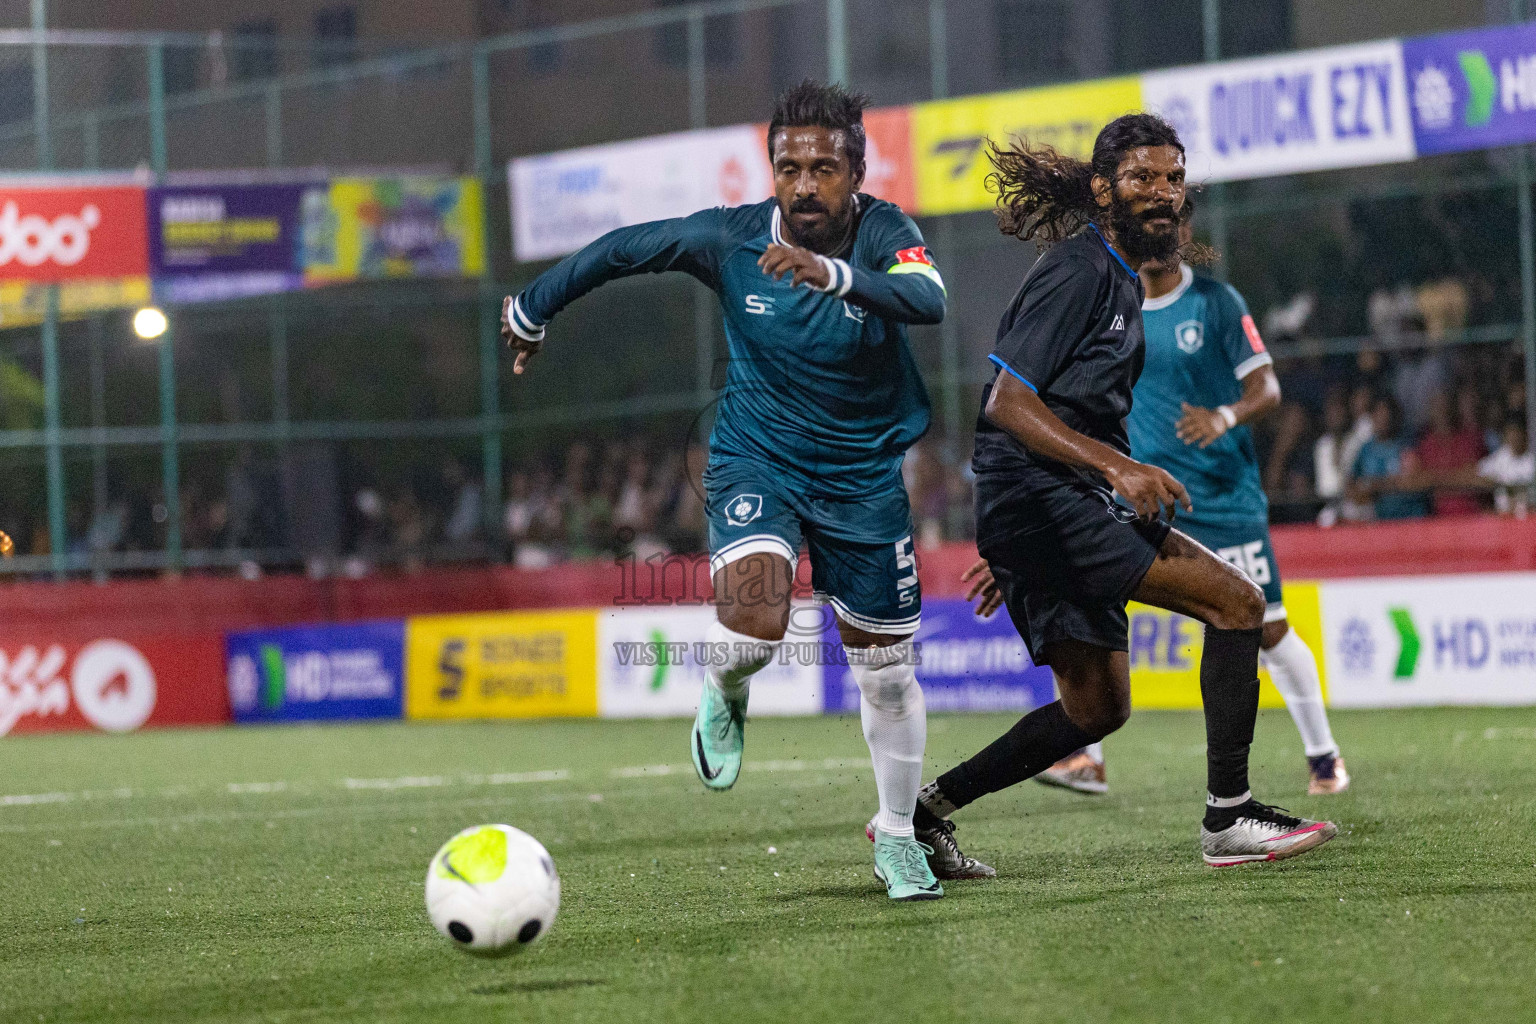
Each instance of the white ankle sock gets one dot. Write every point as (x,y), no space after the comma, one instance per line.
(1095,751)
(895,719)
(743,656)
(1294,669)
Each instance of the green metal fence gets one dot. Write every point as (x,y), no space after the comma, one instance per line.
(170,102)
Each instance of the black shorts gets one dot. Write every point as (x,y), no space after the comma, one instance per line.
(1066,557)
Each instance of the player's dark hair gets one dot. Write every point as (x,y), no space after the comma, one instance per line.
(1045,195)
(813,105)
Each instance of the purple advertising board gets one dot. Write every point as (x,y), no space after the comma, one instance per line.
(1472,90)
(965,664)
(224,241)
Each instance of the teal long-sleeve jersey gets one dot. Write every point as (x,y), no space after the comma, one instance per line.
(822,385)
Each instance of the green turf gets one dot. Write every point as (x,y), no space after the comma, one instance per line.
(148,880)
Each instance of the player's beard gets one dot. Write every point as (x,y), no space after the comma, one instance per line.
(832,237)
(1135,240)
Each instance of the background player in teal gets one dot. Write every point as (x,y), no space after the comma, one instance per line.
(821,401)
(1207,375)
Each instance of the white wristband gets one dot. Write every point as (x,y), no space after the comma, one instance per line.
(1226,413)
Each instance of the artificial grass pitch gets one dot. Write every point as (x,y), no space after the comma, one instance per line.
(276,874)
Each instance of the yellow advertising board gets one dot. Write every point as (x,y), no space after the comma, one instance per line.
(949,136)
(501,665)
(25,303)
(1165,651)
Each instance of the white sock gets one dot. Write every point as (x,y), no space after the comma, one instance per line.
(1095,750)
(743,656)
(1294,670)
(895,719)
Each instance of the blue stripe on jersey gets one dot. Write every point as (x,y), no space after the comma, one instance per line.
(1015,373)
(1111,249)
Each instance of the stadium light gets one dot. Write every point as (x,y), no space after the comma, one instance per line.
(149,323)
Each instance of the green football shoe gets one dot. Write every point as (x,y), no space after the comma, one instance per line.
(901,862)
(718,737)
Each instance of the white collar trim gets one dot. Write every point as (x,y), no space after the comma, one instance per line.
(1163,302)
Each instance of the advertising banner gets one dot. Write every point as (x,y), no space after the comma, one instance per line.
(110,683)
(376,228)
(224,241)
(1165,650)
(1344,106)
(562,201)
(506,665)
(949,136)
(1422,640)
(25,303)
(965,664)
(651,663)
(72,233)
(312,673)
(1472,90)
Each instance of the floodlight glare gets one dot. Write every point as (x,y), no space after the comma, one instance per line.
(149,323)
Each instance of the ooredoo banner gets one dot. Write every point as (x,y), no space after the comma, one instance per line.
(72,233)
(110,683)
(651,664)
(315,673)
(1426,640)
(1344,106)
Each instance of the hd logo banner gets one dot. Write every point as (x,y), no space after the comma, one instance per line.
(1345,106)
(502,665)
(1429,640)
(317,673)
(1472,90)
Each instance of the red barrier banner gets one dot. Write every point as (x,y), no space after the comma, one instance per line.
(67,234)
(113,683)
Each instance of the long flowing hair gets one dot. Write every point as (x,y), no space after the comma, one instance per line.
(1048,196)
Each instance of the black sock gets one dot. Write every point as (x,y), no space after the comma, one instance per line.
(1229,687)
(1037,741)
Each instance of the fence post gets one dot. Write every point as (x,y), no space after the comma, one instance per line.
(274,125)
(490,309)
(58,535)
(170,467)
(1216,202)
(938,51)
(837,42)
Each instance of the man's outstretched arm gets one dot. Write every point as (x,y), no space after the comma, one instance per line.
(689,244)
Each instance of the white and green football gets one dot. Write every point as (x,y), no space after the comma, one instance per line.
(493,890)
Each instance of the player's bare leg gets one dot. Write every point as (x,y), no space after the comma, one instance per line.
(1187,578)
(752,609)
(1293,669)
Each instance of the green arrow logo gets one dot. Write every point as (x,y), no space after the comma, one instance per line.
(276,677)
(1481,87)
(1408,656)
(659,646)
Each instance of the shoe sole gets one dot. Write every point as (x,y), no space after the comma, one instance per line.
(1311,842)
(1086,788)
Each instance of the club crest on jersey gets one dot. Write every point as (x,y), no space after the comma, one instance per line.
(743,508)
(1190,335)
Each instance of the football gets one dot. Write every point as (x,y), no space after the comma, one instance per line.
(492,890)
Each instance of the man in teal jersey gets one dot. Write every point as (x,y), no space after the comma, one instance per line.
(821,401)
(1207,375)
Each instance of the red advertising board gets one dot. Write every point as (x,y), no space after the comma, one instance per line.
(888,156)
(112,682)
(75,233)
